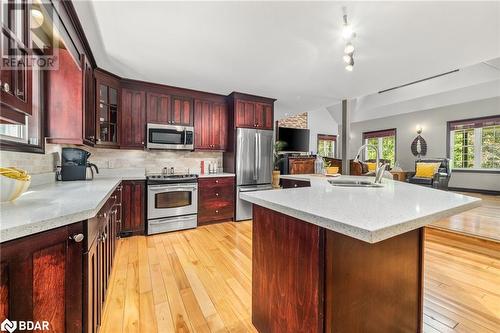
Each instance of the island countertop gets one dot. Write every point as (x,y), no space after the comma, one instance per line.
(368,214)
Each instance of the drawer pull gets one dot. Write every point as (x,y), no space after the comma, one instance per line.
(77,238)
(216,212)
(217,181)
(216,194)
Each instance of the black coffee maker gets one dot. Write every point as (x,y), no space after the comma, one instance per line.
(74,164)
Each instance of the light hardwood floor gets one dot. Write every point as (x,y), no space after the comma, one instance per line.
(200,281)
(481,222)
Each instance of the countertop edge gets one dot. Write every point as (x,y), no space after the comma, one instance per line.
(369,236)
(24,230)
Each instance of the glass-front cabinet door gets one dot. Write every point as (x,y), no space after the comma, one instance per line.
(107,109)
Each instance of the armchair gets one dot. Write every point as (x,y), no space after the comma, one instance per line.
(361,169)
(440,179)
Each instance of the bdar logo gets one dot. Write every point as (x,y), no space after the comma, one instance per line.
(8,325)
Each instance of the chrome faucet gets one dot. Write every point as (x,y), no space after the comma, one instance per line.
(379,171)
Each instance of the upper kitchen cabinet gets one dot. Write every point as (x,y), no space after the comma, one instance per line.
(182,111)
(133,119)
(89,125)
(210,125)
(64,101)
(251,111)
(107,103)
(15,76)
(158,108)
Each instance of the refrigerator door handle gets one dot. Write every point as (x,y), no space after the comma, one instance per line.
(256,158)
(259,155)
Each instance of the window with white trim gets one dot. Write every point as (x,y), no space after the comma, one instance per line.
(327,145)
(385,141)
(475,143)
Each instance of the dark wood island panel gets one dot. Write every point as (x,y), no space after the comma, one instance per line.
(373,287)
(309,279)
(286,273)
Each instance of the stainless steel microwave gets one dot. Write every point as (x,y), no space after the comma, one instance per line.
(170,137)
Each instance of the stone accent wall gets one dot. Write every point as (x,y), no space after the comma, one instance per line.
(153,161)
(297,121)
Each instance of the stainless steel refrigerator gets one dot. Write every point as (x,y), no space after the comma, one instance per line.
(254,164)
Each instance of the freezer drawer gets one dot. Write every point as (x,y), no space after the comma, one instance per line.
(158,226)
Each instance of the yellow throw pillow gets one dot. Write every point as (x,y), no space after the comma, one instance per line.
(372,166)
(426,170)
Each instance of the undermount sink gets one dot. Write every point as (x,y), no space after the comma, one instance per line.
(353,183)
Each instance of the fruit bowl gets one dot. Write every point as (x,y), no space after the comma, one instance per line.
(13,183)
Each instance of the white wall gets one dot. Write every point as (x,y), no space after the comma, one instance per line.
(320,122)
(433,122)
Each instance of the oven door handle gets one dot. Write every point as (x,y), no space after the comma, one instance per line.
(173,189)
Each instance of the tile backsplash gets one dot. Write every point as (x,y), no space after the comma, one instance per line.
(152,161)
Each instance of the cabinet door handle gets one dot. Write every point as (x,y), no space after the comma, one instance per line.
(217,182)
(77,238)
(216,212)
(216,194)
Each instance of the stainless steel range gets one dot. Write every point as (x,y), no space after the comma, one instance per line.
(172,202)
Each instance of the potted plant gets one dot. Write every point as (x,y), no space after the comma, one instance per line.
(330,170)
(277,148)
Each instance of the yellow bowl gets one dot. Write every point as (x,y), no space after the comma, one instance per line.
(332,170)
(11,189)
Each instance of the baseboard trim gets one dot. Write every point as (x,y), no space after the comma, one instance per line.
(474,190)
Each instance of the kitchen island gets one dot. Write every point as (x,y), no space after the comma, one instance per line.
(343,259)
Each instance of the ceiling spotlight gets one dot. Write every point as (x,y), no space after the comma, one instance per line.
(347,58)
(347,32)
(349,48)
(350,64)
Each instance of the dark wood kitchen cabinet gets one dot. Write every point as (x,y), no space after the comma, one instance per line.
(99,258)
(16,83)
(254,115)
(293,183)
(215,199)
(89,119)
(182,111)
(65,106)
(133,119)
(133,207)
(252,111)
(107,106)
(210,125)
(41,278)
(158,108)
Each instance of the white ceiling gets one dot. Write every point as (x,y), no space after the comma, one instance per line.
(291,51)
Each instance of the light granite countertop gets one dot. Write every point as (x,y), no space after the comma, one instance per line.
(368,214)
(52,204)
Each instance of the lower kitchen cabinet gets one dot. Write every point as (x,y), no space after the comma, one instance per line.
(292,183)
(215,199)
(133,207)
(98,259)
(61,275)
(41,278)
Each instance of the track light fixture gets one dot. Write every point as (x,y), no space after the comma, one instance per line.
(348,35)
